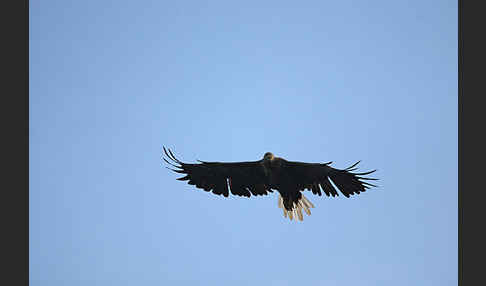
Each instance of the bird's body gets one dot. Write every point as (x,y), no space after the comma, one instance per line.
(261,177)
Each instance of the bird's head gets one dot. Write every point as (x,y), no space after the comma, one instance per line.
(268,156)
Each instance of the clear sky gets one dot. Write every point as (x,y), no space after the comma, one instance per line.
(111,82)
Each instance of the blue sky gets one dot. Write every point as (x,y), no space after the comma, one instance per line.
(111,82)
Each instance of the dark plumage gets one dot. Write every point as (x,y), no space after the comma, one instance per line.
(272,173)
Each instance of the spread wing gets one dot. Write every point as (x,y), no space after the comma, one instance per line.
(241,178)
(315,176)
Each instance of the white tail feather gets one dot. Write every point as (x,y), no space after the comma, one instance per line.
(299,212)
(296,211)
(307,202)
(305,207)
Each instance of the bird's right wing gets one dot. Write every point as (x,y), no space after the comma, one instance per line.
(241,178)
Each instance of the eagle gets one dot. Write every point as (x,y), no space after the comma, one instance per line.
(290,179)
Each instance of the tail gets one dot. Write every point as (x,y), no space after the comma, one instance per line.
(296,211)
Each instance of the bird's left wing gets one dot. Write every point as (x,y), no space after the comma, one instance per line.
(241,178)
(315,176)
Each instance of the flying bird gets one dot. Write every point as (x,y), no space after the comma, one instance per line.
(271,173)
